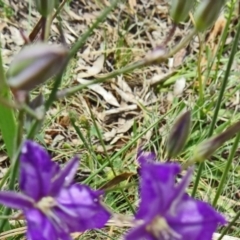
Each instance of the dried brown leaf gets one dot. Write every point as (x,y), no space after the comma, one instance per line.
(116,180)
(95,69)
(108,97)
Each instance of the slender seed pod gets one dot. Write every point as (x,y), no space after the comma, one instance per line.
(179,134)
(206,13)
(179,9)
(34,65)
(205,149)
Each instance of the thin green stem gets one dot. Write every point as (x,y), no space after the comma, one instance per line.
(30,135)
(31,112)
(48,22)
(226,170)
(32,130)
(44,22)
(110,163)
(222,42)
(3,84)
(87,146)
(137,65)
(59,9)
(20,121)
(127,146)
(229,226)
(52,97)
(72,90)
(8,126)
(219,101)
(107,236)
(200,79)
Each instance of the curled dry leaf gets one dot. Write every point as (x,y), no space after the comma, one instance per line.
(123,84)
(123,128)
(95,69)
(121,109)
(107,136)
(118,138)
(108,97)
(58,139)
(116,133)
(126,96)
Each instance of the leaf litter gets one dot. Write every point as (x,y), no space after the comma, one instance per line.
(129,33)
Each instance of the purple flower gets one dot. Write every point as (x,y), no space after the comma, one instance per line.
(166,212)
(53,205)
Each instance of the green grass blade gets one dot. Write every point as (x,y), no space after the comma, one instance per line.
(8,124)
(8,128)
(226,170)
(219,100)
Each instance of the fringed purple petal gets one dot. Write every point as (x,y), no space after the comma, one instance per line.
(139,233)
(157,188)
(195,219)
(42,228)
(180,191)
(166,211)
(15,200)
(36,170)
(65,176)
(81,209)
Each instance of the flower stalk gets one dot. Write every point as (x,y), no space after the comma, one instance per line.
(219,100)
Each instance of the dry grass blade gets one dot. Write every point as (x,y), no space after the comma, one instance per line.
(117,222)
(13,232)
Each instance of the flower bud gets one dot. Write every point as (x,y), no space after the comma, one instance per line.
(179,10)
(205,149)
(45,7)
(34,65)
(206,13)
(179,134)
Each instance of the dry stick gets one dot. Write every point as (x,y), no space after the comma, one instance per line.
(44,27)
(35,31)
